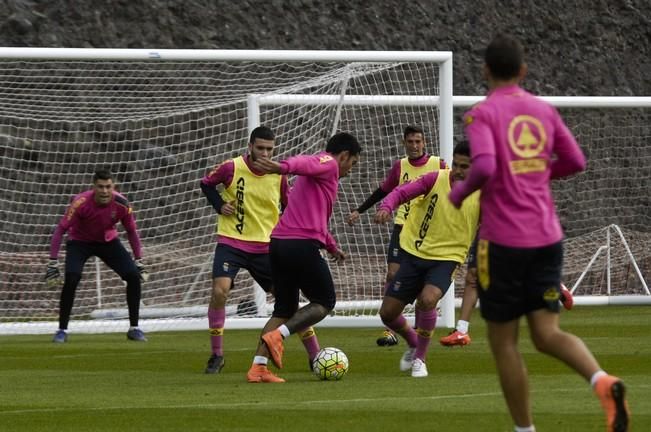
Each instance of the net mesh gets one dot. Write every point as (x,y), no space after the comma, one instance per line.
(160,127)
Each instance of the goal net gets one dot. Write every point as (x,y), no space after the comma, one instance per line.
(606,211)
(160,121)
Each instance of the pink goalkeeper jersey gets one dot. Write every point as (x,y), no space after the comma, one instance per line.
(527,138)
(311,199)
(87,221)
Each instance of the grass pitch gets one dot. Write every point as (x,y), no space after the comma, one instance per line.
(105,383)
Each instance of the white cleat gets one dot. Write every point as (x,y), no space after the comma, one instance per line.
(407,359)
(418,368)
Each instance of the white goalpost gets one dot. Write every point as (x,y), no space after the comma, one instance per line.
(160,120)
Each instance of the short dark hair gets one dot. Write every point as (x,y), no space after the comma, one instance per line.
(462,148)
(102,174)
(343,141)
(411,129)
(262,132)
(504,57)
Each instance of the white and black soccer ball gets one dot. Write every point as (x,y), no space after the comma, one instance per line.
(330,364)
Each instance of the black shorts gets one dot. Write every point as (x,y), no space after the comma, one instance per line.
(415,273)
(112,253)
(229,260)
(516,281)
(298,266)
(471,259)
(394,253)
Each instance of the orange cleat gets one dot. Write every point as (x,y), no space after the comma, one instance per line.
(611,393)
(260,374)
(567,299)
(455,338)
(274,342)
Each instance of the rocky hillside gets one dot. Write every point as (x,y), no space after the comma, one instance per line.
(583,47)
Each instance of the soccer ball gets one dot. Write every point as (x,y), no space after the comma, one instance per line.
(330,364)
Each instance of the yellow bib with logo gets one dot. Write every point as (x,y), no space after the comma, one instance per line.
(256,201)
(408,173)
(436,230)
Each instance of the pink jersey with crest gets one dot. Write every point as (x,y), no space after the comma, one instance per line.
(531,144)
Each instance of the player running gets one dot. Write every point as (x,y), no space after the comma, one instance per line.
(415,164)
(518,144)
(435,241)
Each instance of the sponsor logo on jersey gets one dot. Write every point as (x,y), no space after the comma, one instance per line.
(406,206)
(424,226)
(74,206)
(239,205)
(324,159)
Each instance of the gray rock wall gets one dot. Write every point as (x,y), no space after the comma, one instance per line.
(583,47)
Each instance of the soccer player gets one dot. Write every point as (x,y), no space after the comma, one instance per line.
(434,242)
(246,214)
(518,143)
(460,335)
(415,164)
(90,222)
(295,247)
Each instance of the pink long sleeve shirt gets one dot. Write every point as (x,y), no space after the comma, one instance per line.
(311,199)
(87,221)
(520,142)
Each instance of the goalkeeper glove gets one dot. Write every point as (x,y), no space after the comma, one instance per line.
(142,270)
(52,274)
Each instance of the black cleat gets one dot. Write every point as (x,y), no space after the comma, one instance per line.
(387,339)
(215,364)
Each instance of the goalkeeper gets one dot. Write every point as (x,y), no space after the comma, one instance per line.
(90,222)
(409,168)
